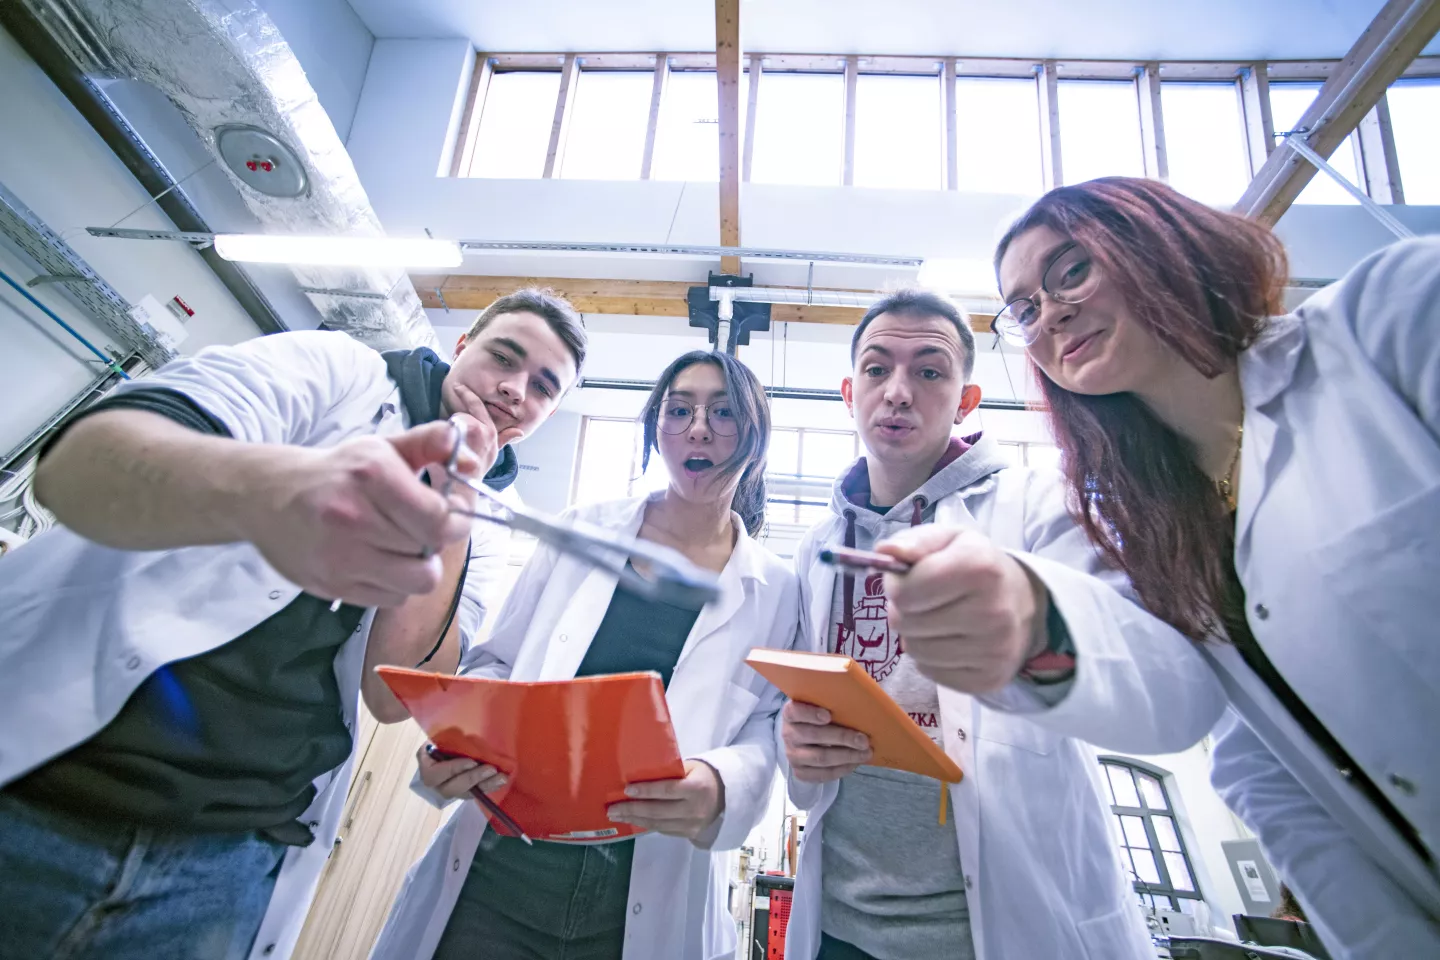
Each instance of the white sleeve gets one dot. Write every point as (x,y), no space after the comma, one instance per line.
(1389,307)
(495,656)
(802,795)
(747,764)
(1139,685)
(1361,913)
(284,388)
(480,594)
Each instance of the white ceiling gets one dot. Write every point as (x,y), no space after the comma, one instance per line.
(1095,29)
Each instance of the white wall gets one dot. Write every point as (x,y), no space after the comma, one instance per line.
(56,164)
(333,44)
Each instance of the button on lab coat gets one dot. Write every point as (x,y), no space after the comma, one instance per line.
(723,712)
(1036,840)
(84,625)
(1338,548)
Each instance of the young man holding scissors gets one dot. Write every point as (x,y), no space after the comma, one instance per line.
(181,659)
(1050,653)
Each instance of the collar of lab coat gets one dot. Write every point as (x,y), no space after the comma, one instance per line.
(1268,366)
(748,562)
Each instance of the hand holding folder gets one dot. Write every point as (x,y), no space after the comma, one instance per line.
(841,686)
(568,748)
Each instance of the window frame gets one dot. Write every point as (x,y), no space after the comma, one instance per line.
(1147,815)
(1374,141)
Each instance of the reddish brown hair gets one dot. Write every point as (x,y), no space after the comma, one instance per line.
(1203,282)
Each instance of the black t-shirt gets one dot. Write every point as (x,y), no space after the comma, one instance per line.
(228,741)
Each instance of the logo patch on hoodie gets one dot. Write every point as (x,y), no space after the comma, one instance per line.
(871,643)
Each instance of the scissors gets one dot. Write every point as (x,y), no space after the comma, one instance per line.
(674,579)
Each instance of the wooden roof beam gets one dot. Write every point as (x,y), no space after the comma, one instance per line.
(641,298)
(1392,41)
(727,76)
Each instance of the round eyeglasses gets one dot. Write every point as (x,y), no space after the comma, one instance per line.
(676,417)
(1070,278)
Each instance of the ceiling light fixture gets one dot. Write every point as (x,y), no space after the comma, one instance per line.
(409,252)
(957,276)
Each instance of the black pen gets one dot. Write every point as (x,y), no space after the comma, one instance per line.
(494,808)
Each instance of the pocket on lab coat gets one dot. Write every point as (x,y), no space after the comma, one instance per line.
(1383,574)
(740,702)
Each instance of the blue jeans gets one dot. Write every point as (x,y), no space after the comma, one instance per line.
(72,889)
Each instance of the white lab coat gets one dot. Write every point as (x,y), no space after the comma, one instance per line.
(85,625)
(1338,547)
(1034,827)
(724,714)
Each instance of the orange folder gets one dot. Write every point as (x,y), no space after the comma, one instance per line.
(568,748)
(855,700)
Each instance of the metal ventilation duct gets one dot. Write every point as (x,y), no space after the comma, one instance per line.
(224,64)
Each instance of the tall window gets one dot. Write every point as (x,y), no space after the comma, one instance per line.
(1414,109)
(1287,104)
(801,469)
(514,133)
(687,142)
(799,129)
(1100,130)
(610,453)
(605,139)
(1204,144)
(998,122)
(1151,848)
(898,132)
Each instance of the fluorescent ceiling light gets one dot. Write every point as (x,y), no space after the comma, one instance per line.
(339,251)
(958,276)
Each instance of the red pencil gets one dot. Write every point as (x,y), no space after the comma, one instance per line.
(862,560)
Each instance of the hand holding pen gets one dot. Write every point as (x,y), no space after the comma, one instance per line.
(969,615)
(452,776)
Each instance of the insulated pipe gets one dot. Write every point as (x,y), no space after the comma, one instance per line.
(108,361)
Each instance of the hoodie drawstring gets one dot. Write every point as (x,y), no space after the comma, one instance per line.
(847,617)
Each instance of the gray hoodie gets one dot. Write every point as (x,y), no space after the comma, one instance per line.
(892,883)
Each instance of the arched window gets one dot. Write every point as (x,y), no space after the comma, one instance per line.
(1152,849)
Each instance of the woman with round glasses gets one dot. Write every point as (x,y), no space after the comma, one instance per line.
(1271,485)
(664,893)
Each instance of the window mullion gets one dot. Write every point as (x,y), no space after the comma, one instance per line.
(1047,81)
(564,104)
(1152,122)
(952,132)
(757,70)
(1375,142)
(657,99)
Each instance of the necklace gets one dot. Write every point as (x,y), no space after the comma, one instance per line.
(1223,486)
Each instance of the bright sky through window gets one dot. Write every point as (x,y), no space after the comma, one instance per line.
(514,133)
(799,129)
(1099,130)
(899,132)
(1288,102)
(1414,113)
(999,136)
(606,137)
(687,143)
(1203,141)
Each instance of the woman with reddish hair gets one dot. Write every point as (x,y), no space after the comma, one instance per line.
(1271,485)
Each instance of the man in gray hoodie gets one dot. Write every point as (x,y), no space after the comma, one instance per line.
(1057,653)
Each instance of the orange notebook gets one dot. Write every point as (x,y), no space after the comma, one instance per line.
(840,685)
(568,748)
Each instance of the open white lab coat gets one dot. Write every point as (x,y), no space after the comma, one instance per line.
(1037,846)
(723,712)
(1338,547)
(82,626)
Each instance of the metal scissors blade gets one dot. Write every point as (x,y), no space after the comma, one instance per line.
(672,578)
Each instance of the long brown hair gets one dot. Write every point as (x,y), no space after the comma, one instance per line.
(1203,282)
